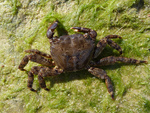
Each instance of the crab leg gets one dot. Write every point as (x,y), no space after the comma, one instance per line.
(35,58)
(47,72)
(41,72)
(34,71)
(103,75)
(38,52)
(91,32)
(112,60)
(106,40)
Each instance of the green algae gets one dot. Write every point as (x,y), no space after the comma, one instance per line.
(23,25)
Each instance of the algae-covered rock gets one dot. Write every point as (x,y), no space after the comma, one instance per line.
(23,25)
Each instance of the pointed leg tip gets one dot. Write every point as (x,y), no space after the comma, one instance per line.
(120,37)
(144,62)
(120,52)
(47,89)
(33,90)
(112,96)
(22,69)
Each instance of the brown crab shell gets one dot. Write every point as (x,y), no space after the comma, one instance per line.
(72,52)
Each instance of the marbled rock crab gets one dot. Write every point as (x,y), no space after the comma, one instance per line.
(73,53)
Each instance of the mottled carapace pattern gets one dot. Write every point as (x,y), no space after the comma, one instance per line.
(72,53)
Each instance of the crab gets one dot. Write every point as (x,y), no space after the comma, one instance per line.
(73,53)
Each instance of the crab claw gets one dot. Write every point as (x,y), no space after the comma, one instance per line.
(76,29)
(80,29)
(50,31)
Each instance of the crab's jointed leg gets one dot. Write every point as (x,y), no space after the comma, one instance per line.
(104,41)
(100,73)
(91,32)
(38,52)
(34,71)
(112,60)
(41,72)
(35,58)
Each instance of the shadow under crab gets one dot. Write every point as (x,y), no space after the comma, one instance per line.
(73,53)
